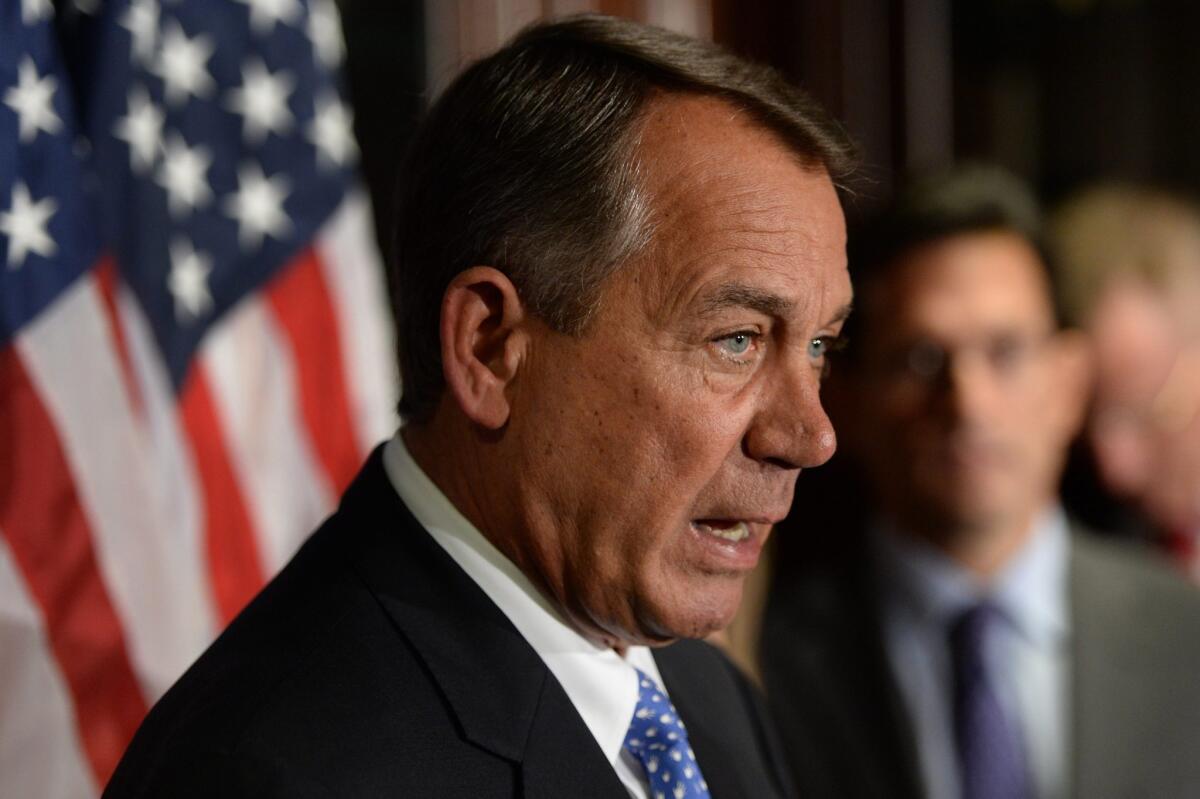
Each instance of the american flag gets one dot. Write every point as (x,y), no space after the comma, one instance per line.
(194,346)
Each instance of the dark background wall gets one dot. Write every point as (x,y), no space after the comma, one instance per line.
(385,77)
(1061,91)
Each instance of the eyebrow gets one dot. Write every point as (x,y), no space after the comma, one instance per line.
(842,315)
(740,295)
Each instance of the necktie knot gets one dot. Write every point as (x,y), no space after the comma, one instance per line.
(970,632)
(658,739)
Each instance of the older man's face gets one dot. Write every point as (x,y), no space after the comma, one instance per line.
(659,447)
(1145,426)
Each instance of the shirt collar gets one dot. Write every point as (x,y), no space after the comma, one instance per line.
(601,684)
(1030,591)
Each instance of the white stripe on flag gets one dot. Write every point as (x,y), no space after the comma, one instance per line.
(253,382)
(40,751)
(154,582)
(350,264)
(173,486)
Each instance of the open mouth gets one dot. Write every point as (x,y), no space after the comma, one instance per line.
(726,529)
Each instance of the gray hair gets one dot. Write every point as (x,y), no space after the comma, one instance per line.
(1113,230)
(528,163)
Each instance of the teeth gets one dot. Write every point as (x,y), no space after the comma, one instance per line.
(738,532)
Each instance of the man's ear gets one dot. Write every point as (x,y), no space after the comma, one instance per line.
(481,343)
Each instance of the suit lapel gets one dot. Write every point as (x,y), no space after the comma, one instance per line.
(505,699)
(722,773)
(509,703)
(1105,694)
(728,746)
(562,757)
(869,709)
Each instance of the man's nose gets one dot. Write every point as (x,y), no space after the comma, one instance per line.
(791,428)
(968,387)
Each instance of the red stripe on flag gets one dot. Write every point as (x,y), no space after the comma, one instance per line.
(301,304)
(107,280)
(48,532)
(234,562)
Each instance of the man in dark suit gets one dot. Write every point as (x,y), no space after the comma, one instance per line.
(620,258)
(965,639)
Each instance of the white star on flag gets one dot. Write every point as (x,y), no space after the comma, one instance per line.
(331,131)
(141,127)
(258,206)
(181,64)
(265,13)
(25,225)
(262,101)
(188,281)
(31,98)
(141,20)
(325,32)
(34,10)
(182,174)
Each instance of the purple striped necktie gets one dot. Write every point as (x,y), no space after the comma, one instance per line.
(990,753)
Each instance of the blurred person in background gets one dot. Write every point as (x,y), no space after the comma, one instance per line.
(969,640)
(1129,259)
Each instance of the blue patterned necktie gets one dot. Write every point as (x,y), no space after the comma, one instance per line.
(990,756)
(659,741)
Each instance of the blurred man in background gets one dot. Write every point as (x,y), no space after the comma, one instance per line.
(973,643)
(1129,259)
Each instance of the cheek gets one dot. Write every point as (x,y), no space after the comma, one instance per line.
(1122,456)
(684,417)
(892,430)
(1049,419)
(881,408)
(636,433)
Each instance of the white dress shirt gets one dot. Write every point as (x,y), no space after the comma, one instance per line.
(1028,657)
(601,684)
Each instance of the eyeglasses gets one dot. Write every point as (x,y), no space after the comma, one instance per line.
(1007,357)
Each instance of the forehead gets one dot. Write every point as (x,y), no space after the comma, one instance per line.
(974,283)
(730,202)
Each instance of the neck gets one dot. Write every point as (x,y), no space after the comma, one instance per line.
(983,548)
(450,458)
(478,478)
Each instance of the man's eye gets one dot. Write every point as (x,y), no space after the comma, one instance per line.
(823,346)
(1009,353)
(737,343)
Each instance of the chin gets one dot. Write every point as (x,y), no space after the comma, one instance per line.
(699,613)
(971,516)
(962,503)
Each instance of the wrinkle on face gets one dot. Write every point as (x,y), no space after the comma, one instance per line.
(710,209)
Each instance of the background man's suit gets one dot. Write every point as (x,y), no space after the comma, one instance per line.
(1135,675)
(374,664)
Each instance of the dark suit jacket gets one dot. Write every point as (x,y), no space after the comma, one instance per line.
(1135,677)
(374,666)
